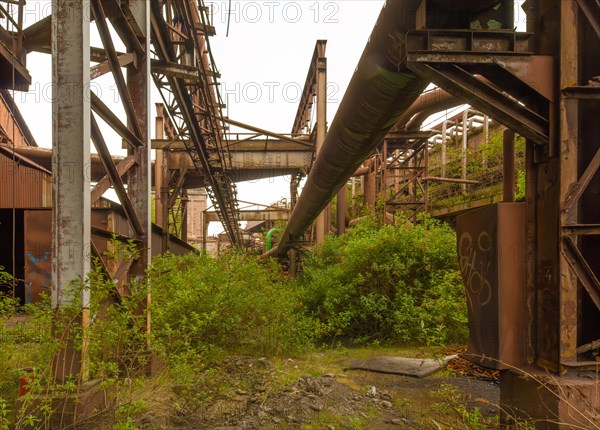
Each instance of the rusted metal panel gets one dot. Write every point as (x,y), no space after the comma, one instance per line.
(38,250)
(23,186)
(554,403)
(12,124)
(492,255)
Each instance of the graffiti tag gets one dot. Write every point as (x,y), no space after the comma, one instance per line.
(475,264)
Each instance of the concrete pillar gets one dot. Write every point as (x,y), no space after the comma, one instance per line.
(71,128)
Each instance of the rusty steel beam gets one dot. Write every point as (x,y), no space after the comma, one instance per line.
(115,66)
(581,268)
(136,16)
(242,146)
(13,71)
(584,92)
(265,132)
(129,24)
(103,68)
(591,10)
(196,111)
(115,178)
(309,92)
(486,98)
(109,117)
(104,183)
(254,215)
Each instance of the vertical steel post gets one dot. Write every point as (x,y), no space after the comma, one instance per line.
(370,185)
(464,149)
(184,217)
(204,229)
(509,166)
(71,128)
(158,175)
(569,159)
(486,138)
(322,220)
(342,200)
(384,177)
(426,174)
(444,148)
(138,83)
(139,179)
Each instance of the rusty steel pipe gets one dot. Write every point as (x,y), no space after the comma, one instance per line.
(427,104)
(381,90)
(444,102)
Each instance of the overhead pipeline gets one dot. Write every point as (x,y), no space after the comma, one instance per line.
(380,91)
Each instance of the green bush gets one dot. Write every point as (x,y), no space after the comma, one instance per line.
(237,302)
(396,284)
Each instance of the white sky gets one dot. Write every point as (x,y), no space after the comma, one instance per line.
(263,64)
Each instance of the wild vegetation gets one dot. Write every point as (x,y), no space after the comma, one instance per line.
(387,284)
(374,287)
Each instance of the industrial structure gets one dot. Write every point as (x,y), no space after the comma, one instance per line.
(530,269)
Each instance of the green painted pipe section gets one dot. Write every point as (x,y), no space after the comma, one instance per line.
(269,239)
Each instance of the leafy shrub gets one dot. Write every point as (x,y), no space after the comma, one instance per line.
(236,302)
(398,284)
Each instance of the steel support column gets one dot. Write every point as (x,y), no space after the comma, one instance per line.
(71,228)
(464,149)
(322,222)
(159,177)
(508,163)
(342,200)
(569,158)
(138,84)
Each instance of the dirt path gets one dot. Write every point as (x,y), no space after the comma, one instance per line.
(248,393)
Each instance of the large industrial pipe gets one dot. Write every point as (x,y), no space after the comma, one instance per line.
(444,102)
(380,91)
(427,104)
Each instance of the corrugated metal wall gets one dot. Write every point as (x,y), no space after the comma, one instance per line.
(8,126)
(22,186)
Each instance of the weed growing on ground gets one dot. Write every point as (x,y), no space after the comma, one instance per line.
(387,284)
(203,307)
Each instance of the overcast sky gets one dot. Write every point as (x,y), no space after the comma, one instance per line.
(263,62)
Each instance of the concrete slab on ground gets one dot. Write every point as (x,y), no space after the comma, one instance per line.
(417,367)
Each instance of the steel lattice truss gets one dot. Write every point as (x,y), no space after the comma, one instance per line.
(186,78)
